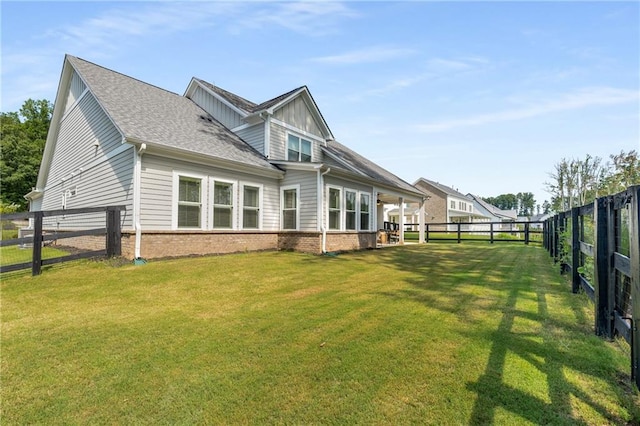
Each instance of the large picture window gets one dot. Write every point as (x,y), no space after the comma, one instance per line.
(250,207)
(298,149)
(364,211)
(334,208)
(189,202)
(222,205)
(290,208)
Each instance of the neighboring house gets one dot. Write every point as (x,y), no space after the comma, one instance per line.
(411,215)
(445,204)
(539,218)
(493,213)
(207,172)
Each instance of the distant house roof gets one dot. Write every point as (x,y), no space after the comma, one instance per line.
(444,188)
(149,114)
(507,214)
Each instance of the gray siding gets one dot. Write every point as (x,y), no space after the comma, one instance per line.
(76,88)
(278,144)
(157,192)
(297,114)
(108,183)
(75,146)
(217,109)
(308,182)
(89,175)
(254,136)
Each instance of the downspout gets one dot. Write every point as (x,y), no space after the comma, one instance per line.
(136,199)
(320,213)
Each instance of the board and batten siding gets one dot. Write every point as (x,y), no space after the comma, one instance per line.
(254,136)
(156,192)
(83,126)
(216,108)
(308,202)
(107,183)
(297,114)
(278,144)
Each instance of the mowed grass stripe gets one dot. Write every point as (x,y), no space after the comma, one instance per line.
(435,334)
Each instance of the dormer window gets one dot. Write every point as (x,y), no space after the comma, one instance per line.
(298,149)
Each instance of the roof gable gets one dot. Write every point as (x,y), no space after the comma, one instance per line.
(442,188)
(149,114)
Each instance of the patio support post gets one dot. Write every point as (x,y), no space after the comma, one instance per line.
(401,211)
(421,219)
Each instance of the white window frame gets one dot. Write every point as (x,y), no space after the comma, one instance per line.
(234,202)
(282,190)
(300,139)
(176,195)
(368,227)
(356,207)
(241,206)
(452,204)
(340,209)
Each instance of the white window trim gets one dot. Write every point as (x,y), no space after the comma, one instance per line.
(301,137)
(175,195)
(241,186)
(359,212)
(342,214)
(287,188)
(234,202)
(356,211)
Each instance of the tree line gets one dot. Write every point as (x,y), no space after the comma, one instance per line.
(576,182)
(523,203)
(22,138)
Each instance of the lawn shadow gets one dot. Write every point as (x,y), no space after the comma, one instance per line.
(454,284)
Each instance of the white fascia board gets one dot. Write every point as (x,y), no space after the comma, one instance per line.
(297,130)
(195,81)
(207,160)
(297,165)
(381,187)
(307,98)
(344,163)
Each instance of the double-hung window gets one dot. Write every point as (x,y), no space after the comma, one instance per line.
(335,208)
(298,149)
(250,207)
(222,205)
(189,202)
(350,206)
(290,208)
(364,211)
(453,204)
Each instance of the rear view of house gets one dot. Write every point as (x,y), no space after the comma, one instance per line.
(209,171)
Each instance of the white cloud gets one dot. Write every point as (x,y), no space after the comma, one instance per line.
(587,97)
(365,55)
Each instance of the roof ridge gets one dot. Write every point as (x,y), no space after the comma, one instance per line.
(125,75)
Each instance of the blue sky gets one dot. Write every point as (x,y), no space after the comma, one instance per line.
(482,96)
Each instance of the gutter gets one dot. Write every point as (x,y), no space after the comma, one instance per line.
(136,200)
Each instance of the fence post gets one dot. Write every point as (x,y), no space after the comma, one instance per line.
(602,255)
(459,233)
(634,256)
(576,237)
(114,247)
(526,233)
(491,231)
(427,232)
(556,236)
(36,261)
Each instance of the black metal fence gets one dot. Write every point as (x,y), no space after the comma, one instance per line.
(56,236)
(599,244)
(526,232)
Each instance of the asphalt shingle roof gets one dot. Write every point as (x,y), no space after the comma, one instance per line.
(147,113)
(444,188)
(365,167)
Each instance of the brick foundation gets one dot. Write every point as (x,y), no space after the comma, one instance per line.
(185,243)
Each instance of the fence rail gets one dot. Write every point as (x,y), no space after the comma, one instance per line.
(65,227)
(527,232)
(599,244)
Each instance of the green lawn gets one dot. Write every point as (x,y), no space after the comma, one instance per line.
(430,334)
